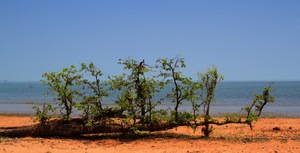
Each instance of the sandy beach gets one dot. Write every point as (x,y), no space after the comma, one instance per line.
(226,138)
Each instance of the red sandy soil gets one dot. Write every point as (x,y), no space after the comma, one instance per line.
(233,138)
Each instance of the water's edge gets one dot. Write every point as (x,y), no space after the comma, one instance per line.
(17,97)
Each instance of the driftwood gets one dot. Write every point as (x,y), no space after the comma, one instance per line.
(73,128)
(76,127)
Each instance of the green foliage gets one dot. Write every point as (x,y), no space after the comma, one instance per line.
(62,85)
(259,102)
(93,94)
(194,127)
(152,86)
(181,89)
(262,99)
(71,89)
(159,116)
(210,80)
(184,117)
(43,114)
(233,118)
(194,94)
(137,87)
(133,94)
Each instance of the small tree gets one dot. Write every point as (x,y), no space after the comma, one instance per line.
(93,95)
(258,104)
(43,114)
(210,80)
(195,93)
(62,85)
(152,86)
(133,86)
(170,72)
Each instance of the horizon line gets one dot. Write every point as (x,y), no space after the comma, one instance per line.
(7,81)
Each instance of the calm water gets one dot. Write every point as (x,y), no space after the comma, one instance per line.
(16,97)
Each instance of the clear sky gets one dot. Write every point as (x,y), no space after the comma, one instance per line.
(257,40)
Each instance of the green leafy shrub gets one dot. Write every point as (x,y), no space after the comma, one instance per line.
(259,102)
(137,88)
(43,114)
(62,85)
(210,80)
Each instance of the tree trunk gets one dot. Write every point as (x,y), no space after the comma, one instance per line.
(73,128)
(206,129)
(206,120)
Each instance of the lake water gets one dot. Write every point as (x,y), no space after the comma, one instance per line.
(17,97)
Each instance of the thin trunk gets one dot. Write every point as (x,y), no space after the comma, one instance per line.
(194,114)
(140,96)
(250,124)
(150,111)
(177,90)
(99,105)
(177,103)
(206,121)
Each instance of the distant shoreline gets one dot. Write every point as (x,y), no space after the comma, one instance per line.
(16,98)
(217,111)
(224,81)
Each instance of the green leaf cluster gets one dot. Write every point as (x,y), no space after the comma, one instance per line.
(258,103)
(43,114)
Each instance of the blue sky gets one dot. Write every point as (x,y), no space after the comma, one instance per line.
(247,40)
